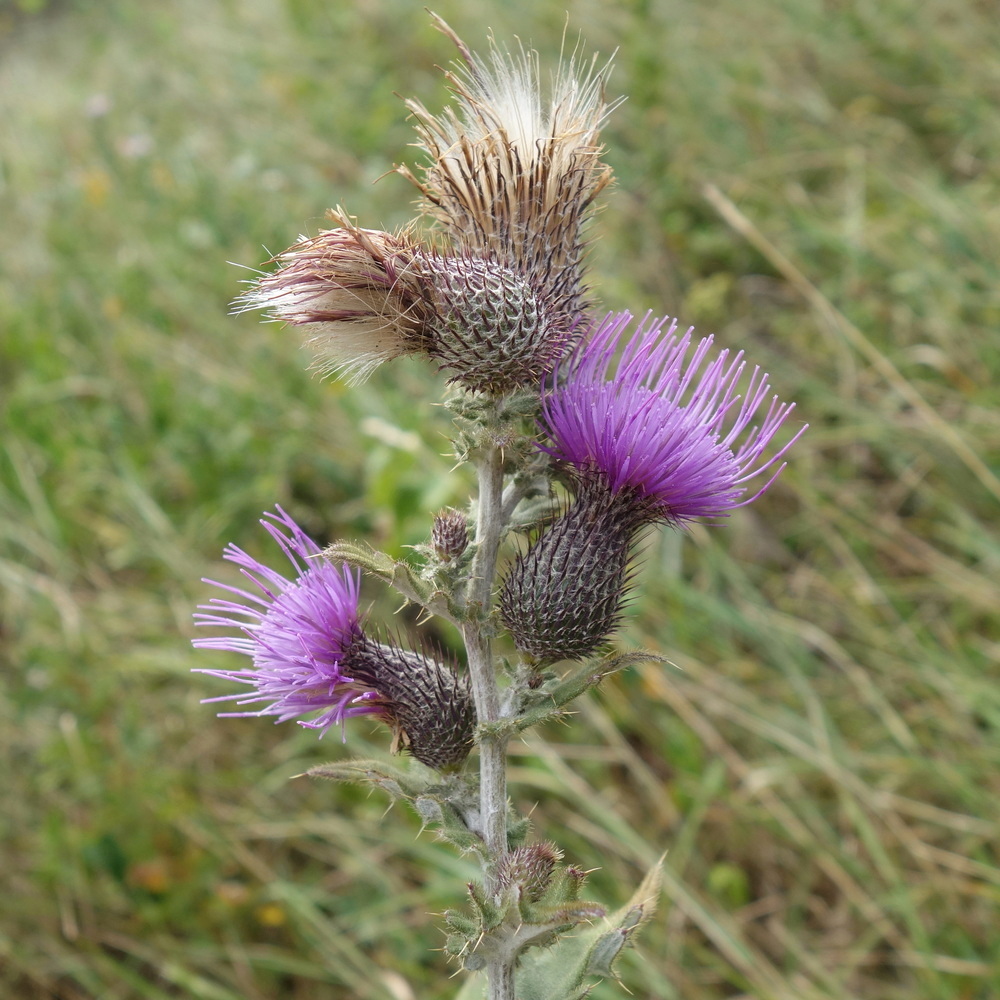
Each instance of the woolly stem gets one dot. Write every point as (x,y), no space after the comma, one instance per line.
(501,981)
(482,673)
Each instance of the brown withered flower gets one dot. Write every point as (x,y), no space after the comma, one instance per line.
(497,296)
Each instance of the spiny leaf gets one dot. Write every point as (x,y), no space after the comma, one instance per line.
(398,783)
(401,576)
(571,968)
(553,696)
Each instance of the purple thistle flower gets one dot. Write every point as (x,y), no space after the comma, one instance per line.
(674,432)
(298,632)
(659,436)
(311,654)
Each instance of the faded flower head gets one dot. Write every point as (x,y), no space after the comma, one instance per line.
(353,291)
(310,654)
(655,436)
(365,296)
(498,296)
(512,173)
(510,177)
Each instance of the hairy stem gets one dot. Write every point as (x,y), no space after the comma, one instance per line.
(482,672)
(501,981)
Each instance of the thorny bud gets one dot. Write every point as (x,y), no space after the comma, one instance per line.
(427,705)
(490,326)
(450,535)
(529,867)
(563,597)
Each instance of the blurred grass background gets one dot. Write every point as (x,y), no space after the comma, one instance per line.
(815,182)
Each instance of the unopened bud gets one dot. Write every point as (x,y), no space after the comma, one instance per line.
(529,867)
(450,535)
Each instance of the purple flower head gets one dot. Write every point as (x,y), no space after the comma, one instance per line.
(298,632)
(311,655)
(674,431)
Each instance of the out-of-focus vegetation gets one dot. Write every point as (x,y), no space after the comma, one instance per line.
(816,183)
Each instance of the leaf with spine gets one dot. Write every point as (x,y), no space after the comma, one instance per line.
(572,967)
(548,701)
(439,806)
(398,783)
(532,512)
(514,918)
(401,576)
(517,831)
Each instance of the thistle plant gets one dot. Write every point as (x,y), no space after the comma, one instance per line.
(585,430)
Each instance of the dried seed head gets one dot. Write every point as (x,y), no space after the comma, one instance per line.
(511,173)
(354,291)
(450,534)
(511,178)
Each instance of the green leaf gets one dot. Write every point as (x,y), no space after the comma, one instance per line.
(474,988)
(401,576)
(572,967)
(550,699)
(398,783)
(441,805)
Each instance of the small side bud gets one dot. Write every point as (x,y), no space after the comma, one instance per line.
(450,535)
(530,868)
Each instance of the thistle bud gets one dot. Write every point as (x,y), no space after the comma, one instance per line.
(449,535)
(530,867)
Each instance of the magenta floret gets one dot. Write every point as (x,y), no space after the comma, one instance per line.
(681,428)
(297,631)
